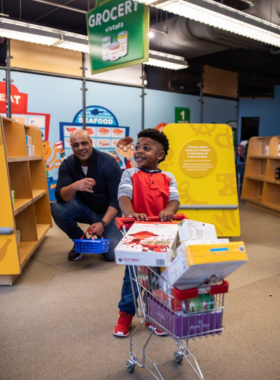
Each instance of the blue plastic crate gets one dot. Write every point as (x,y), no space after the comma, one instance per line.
(92,246)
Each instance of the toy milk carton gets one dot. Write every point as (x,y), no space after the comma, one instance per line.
(192,230)
(148,244)
(204,264)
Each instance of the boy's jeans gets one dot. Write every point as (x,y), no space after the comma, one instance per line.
(126,303)
(67,215)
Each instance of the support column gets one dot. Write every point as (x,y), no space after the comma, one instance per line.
(8,79)
(144,81)
(84,89)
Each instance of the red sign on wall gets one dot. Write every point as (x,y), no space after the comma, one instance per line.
(19,100)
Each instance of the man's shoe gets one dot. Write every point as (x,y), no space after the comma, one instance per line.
(156,330)
(73,255)
(123,324)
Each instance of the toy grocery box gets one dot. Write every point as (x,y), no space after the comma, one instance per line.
(192,230)
(204,264)
(148,244)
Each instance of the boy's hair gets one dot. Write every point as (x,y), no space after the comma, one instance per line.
(126,141)
(157,136)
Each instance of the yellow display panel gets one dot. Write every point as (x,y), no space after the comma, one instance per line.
(9,261)
(201,157)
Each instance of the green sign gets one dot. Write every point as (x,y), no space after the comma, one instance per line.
(182,115)
(118,34)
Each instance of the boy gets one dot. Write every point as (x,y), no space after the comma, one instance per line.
(145,191)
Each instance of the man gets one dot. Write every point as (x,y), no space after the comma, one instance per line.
(86,192)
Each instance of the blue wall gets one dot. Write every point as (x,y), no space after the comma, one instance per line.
(268,110)
(62,99)
(160,107)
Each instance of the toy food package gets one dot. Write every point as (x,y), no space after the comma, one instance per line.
(192,230)
(148,244)
(204,264)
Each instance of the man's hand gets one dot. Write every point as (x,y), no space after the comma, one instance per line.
(137,216)
(166,215)
(96,229)
(85,184)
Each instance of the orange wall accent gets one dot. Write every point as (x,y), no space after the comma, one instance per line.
(50,59)
(220,82)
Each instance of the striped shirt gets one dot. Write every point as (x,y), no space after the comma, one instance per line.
(149,191)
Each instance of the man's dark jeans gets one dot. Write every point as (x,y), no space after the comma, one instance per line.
(67,215)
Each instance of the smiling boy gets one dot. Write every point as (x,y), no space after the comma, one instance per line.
(145,191)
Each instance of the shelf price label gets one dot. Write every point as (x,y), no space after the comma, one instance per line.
(182,115)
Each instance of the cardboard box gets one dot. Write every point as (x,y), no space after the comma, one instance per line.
(192,230)
(204,264)
(148,244)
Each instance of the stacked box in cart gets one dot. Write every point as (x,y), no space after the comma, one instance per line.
(193,230)
(148,244)
(204,264)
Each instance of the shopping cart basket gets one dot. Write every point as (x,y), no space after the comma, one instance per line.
(91,245)
(182,314)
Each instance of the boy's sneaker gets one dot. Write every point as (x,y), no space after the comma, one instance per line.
(157,331)
(73,255)
(123,324)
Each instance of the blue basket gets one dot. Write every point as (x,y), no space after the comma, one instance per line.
(91,246)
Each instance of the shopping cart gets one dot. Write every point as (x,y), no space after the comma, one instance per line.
(91,245)
(182,314)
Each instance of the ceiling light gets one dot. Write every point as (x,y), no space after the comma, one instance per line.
(223,17)
(151,34)
(166,61)
(22,31)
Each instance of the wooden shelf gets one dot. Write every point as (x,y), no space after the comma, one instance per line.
(21,204)
(42,229)
(258,157)
(37,194)
(25,250)
(260,188)
(30,213)
(24,158)
(259,178)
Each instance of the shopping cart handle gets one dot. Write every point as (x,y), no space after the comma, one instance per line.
(193,292)
(127,222)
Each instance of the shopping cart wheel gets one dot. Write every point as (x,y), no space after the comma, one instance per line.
(178,357)
(130,365)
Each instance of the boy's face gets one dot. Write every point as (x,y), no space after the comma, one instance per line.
(147,153)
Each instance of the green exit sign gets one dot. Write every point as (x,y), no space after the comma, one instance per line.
(182,115)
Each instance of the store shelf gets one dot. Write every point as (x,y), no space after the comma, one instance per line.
(259,178)
(24,158)
(21,204)
(42,229)
(260,186)
(30,213)
(25,250)
(37,194)
(259,157)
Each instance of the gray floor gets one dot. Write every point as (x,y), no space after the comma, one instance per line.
(56,322)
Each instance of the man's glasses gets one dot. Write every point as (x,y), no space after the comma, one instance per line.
(126,148)
(83,143)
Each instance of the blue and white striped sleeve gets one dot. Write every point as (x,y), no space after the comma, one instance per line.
(173,189)
(125,186)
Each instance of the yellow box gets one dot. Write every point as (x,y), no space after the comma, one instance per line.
(204,264)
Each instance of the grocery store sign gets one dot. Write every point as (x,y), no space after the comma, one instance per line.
(117,34)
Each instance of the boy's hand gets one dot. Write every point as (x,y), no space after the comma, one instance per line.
(166,215)
(137,216)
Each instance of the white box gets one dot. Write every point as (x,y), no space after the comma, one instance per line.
(149,244)
(204,264)
(30,150)
(192,230)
